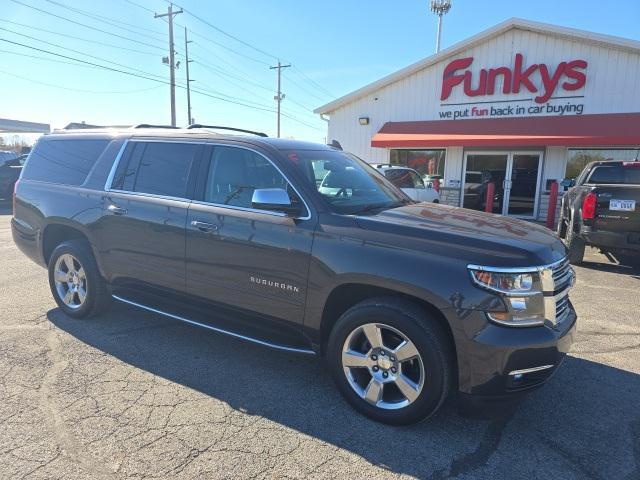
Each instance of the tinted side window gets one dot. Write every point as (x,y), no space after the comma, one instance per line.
(234,173)
(615,174)
(63,161)
(157,168)
(125,177)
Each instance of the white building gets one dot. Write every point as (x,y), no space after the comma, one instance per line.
(518,105)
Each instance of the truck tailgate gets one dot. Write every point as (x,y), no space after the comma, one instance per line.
(618,209)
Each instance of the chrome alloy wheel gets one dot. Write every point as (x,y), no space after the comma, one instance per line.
(383,366)
(70,280)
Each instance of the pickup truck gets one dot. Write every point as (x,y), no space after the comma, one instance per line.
(409,303)
(602,209)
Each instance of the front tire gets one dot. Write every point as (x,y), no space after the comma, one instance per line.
(75,281)
(391,360)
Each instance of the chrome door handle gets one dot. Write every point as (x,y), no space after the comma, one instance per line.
(117,210)
(204,226)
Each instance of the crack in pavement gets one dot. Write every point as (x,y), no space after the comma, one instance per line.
(65,440)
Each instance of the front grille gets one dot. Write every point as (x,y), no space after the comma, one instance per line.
(562,307)
(563,278)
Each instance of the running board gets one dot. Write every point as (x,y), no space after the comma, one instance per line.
(215,329)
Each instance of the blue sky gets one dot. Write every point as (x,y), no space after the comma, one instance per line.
(335,46)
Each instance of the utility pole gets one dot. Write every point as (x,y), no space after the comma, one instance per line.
(440,8)
(172,60)
(187,61)
(279,96)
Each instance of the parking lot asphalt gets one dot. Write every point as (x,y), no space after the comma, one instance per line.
(132,395)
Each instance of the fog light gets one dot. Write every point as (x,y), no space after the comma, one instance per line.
(517,377)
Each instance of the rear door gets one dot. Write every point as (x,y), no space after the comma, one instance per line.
(243,257)
(142,231)
(617,187)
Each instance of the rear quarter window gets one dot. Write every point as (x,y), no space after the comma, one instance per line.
(615,174)
(63,161)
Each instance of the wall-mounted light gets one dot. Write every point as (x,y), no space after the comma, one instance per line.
(363,120)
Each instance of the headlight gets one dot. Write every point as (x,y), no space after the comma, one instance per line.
(520,291)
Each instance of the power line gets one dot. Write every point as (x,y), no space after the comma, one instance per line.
(133,74)
(304,89)
(129,39)
(78,89)
(139,6)
(239,40)
(71,50)
(111,21)
(78,38)
(313,82)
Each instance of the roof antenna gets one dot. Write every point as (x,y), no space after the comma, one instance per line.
(335,144)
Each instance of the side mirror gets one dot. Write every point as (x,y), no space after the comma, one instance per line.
(273,199)
(568,182)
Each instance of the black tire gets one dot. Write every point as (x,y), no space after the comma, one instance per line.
(561,231)
(575,245)
(430,340)
(98,297)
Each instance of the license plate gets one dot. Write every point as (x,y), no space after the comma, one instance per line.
(623,205)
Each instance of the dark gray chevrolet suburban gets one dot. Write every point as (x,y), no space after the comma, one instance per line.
(304,248)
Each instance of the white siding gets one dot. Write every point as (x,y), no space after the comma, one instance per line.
(613,86)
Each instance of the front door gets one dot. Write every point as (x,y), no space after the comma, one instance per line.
(514,178)
(240,256)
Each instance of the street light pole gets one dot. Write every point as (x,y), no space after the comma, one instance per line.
(440,8)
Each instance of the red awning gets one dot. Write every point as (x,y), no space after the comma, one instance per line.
(572,131)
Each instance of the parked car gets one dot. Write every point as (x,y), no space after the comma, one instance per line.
(602,209)
(410,303)
(10,168)
(410,182)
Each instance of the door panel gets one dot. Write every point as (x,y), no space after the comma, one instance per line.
(144,240)
(253,261)
(525,170)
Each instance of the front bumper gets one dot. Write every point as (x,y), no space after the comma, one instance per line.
(495,360)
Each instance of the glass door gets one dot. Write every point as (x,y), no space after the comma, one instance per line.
(523,186)
(515,177)
(483,169)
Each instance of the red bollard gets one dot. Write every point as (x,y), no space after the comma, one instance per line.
(553,202)
(491,188)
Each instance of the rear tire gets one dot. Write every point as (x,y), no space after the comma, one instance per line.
(403,379)
(75,280)
(575,245)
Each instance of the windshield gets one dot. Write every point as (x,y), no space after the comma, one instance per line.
(349,185)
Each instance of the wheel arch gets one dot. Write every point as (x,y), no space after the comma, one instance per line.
(57,232)
(346,295)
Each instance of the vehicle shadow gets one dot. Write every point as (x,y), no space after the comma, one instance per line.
(584,423)
(610,267)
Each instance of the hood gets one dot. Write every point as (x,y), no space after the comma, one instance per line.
(476,237)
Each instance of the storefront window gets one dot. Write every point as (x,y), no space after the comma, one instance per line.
(578,158)
(428,163)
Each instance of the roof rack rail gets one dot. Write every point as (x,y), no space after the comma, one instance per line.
(199,125)
(148,125)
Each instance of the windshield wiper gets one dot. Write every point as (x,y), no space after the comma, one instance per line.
(376,206)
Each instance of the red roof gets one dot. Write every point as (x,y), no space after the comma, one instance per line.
(571,131)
